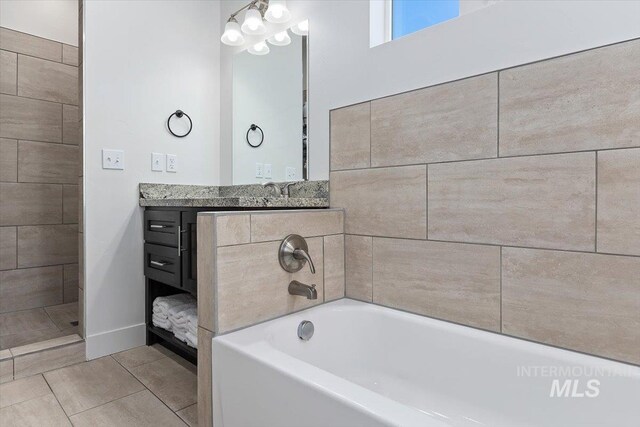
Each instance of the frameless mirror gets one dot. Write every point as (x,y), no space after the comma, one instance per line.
(270,111)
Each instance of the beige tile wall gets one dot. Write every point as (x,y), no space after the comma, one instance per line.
(39,168)
(239,262)
(508,201)
(241,283)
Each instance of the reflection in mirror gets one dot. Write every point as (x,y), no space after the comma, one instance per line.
(270,111)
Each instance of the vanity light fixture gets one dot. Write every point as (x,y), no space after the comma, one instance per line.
(253,24)
(277,12)
(259,48)
(280,39)
(232,35)
(301,28)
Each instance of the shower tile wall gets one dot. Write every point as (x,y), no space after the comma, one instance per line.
(39,138)
(508,201)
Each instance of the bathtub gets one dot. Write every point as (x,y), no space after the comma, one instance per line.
(373,366)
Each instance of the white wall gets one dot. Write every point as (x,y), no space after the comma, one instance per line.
(344,70)
(143,60)
(52,19)
(267,91)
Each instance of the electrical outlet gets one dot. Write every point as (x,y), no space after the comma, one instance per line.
(267,170)
(112,159)
(172,163)
(290,173)
(157,162)
(259,170)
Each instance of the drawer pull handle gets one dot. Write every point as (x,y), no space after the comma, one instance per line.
(157,226)
(158,263)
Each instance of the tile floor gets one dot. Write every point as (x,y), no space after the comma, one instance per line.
(145,386)
(29,326)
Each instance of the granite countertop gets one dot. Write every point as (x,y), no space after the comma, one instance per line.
(305,194)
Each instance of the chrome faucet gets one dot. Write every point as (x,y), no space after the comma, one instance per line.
(297,288)
(276,188)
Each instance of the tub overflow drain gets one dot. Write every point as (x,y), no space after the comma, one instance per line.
(305,330)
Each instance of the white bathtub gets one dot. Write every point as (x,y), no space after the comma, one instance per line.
(372,366)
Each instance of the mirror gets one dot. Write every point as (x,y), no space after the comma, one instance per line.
(270,104)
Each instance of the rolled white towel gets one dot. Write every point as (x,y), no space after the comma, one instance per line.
(181,335)
(162,305)
(192,339)
(160,322)
(179,318)
(192,329)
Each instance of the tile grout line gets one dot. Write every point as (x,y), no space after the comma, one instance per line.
(495,245)
(54,395)
(147,388)
(595,243)
(498,117)
(501,289)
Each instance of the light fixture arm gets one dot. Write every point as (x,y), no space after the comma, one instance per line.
(261,5)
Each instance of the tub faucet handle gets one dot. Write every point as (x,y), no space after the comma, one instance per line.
(294,253)
(302,254)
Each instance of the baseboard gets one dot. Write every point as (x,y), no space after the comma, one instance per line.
(110,342)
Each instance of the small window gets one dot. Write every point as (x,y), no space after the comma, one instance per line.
(409,16)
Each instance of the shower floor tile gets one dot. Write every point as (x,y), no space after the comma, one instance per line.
(39,324)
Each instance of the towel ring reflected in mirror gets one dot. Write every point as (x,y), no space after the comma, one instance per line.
(254,128)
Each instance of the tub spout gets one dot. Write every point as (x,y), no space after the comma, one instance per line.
(297,288)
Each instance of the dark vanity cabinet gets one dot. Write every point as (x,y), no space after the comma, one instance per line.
(170,267)
(170,248)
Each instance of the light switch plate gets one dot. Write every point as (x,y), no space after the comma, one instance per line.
(157,162)
(259,170)
(291,173)
(267,170)
(112,159)
(172,163)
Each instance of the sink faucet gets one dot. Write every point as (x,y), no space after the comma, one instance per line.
(286,191)
(297,288)
(276,188)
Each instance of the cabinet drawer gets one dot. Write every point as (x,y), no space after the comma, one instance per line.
(162,263)
(162,227)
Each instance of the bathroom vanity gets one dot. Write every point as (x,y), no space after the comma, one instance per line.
(170,235)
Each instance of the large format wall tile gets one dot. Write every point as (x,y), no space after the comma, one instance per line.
(233,229)
(30,204)
(277,226)
(350,137)
(8,160)
(50,81)
(70,276)
(358,267)
(8,72)
(333,267)
(537,201)
(47,245)
(52,163)
(70,125)
(452,121)
(388,202)
(586,302)
(246,273)
(70,55)
(585,101)
(23,118)
(30,288)
(619,201)
(16,41)
(451,281)
(70,204)
(8,248)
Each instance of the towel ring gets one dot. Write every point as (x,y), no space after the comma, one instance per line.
(179,114)
(253,127)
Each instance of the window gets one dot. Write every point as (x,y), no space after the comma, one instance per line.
(409,16)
